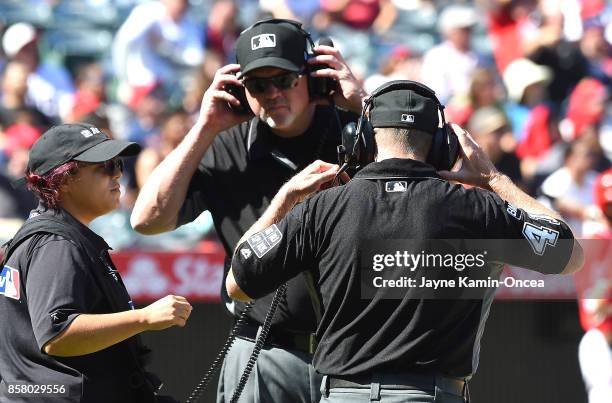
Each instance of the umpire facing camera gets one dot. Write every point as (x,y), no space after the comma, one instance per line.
(261,121)
(406,348)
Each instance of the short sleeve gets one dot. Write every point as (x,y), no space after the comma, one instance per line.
(59,287)
(532,241)
(195,199)
(273,256)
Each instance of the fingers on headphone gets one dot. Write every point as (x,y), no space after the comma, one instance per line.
(225,79)
(465,139)
(330,60)
(229,69)
(327,50)
(329,73)
(225,96)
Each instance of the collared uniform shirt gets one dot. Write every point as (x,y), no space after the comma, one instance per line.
(47,283)
(239,175)
(395,199)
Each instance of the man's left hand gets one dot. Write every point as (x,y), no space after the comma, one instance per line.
(349,94)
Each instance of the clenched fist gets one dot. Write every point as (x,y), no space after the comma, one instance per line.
(171,310)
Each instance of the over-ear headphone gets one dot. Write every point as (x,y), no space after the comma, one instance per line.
(318,87)
(358,148)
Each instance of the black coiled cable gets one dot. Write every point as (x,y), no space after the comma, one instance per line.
(259,343)
(201,387)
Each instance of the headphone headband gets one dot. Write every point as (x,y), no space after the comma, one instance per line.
(417,87)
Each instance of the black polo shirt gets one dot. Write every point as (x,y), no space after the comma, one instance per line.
(395,199)
(49,281)
(239,175)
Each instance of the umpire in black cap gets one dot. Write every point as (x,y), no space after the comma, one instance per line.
(384,335)
(69,327)
(262,120)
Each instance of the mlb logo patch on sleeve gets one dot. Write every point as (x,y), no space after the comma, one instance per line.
(263,241)
(9,282)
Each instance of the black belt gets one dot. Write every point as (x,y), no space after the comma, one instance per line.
(402,381)
(304,342)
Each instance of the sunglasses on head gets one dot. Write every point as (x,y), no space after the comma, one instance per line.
(282,82)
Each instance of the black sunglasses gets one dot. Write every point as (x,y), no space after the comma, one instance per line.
(111,167)
(282,82)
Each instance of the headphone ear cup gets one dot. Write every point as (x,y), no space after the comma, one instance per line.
(453,147)
(434,157)
(444,149)
(368,149)
(350,144)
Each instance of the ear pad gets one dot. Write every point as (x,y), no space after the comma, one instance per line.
(367,143)
(358,146)
(350,142)
(319,87)
(444,149)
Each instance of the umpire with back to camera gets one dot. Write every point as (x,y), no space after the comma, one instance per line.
(232,163)
(69,328)
(412,347)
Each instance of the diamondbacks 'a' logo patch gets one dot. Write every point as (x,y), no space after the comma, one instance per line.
(246,253)
(9,282)
(263,41)
(263,241)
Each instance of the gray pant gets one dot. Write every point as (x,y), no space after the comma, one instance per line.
(285,376)
(434,392)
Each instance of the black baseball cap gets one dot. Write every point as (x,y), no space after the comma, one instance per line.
(272,43)
(404,108)
(74,142)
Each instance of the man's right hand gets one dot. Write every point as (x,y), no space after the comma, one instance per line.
(215,114)
(172,310)
(477,169)
(311,179)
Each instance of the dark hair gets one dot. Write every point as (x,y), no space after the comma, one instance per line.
(47,187)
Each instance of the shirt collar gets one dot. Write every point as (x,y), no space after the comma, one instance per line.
(65,216)
(397,168)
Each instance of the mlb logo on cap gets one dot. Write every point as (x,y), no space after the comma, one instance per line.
(407,118)
(9,282)
(263,41)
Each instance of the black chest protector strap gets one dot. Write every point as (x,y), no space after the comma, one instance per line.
(142,382)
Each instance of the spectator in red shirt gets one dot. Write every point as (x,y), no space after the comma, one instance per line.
(595,305)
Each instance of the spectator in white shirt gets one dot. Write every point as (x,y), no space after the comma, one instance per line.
(155,44)
(569,189)
(50,86)
(448,67)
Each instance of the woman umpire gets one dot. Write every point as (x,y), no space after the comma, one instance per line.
(69,330)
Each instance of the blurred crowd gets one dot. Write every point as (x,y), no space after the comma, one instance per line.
(529,79)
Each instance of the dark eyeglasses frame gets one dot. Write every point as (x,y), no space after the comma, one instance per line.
(259,85)
(110,166)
